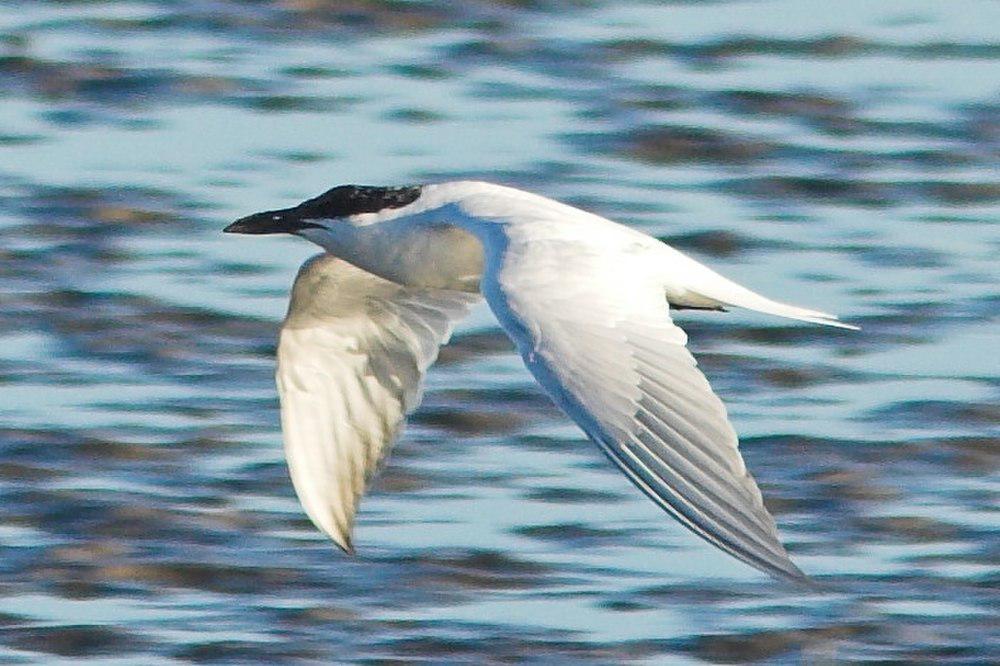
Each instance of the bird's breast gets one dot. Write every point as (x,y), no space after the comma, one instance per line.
(432,256)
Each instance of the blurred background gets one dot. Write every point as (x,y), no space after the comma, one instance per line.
(843,157)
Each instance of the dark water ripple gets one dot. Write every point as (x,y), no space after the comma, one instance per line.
(844,160)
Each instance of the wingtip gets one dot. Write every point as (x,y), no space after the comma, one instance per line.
(807,583)
(345,544)
(788,572)
(340,535)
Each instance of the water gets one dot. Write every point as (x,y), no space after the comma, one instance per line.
(841,159)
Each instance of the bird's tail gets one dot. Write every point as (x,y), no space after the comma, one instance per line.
(703,287)
(753,301)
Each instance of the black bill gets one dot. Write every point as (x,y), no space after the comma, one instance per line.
(285,221)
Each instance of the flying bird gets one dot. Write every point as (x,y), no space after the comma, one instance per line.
(585,300)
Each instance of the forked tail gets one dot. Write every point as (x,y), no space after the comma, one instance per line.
(753,301)
(691,284)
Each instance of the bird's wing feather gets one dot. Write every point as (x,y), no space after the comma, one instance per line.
(590,319)
(351,360)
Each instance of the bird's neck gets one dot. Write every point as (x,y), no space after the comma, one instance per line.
(423,250)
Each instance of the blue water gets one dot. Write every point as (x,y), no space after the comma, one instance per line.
(842,158)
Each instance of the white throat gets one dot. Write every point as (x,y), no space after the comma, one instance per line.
(422,248)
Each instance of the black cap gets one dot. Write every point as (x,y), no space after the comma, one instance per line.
(339,202)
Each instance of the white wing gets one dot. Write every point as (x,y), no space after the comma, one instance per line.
(586,307)
(351,359)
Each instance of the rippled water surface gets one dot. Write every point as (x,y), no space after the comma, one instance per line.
(841,156)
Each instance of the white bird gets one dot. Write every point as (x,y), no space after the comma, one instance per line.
(584,299)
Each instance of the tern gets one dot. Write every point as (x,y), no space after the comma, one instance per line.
(585,300)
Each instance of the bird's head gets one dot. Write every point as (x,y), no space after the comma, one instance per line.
(325,210)
(403,234)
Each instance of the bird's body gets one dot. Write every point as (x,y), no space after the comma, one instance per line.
(584,299)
